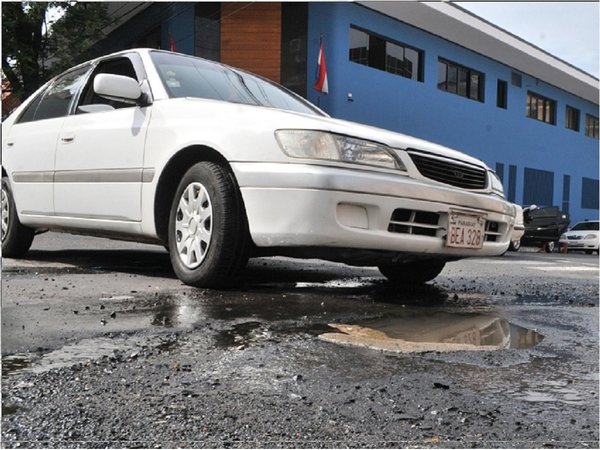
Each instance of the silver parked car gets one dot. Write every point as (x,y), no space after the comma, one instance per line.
(219,165)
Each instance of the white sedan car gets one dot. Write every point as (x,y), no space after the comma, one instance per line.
(219,165)
(583,236)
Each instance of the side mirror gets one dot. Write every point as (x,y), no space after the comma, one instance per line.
(117,87)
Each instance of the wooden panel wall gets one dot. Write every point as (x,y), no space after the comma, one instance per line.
(251,37)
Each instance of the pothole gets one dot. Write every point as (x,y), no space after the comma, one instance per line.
(440,332)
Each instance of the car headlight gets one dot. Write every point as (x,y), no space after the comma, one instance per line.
(497,187)
(590,236)
(312,144)
(563,237)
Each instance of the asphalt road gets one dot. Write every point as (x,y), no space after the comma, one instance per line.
(103,347)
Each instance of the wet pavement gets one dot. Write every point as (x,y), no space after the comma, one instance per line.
(105,348)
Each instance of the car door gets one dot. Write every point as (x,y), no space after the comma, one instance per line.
(100,152)
(30,147)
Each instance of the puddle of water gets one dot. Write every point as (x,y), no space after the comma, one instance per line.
(441,332)
(15,363)
(338,283)
(551,391)
(241,334)
(83,351)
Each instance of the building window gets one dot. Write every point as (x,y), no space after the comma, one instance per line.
(516,79)
(374,51)
(541,108)
(572,118)
(512,183)
(500,171)
(589,193)
(591,126)
(460,80)
(502,94)
(538,187)
(566,192)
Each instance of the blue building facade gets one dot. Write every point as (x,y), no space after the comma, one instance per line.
(539,162)
(385,70)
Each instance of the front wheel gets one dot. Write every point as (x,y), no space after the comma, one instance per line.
(515,246)
(549,247)
(208,234)
(16,237)
(413,273)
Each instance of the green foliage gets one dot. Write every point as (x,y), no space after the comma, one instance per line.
(34,50)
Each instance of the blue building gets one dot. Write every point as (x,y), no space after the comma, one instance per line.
(431,70)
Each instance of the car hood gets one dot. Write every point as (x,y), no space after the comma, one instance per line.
(283,119)
(581,233)
(392,139)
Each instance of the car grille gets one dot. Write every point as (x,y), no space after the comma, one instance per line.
(449,172)
(407,221)
(426,223)
(492,231)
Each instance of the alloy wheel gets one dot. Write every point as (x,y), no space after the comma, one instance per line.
(193,225)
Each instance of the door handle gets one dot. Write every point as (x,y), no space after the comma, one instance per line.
(67,139)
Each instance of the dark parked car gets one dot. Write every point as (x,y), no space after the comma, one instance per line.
(544,226)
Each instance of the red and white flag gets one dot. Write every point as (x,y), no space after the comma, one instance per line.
(321,84)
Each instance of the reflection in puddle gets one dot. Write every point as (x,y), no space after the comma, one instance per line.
(441,332)
(338,283)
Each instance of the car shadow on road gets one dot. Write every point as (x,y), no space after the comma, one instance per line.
(262,275)
(139,262)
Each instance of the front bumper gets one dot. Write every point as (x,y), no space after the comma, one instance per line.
(302,205)
(580,244)
(518,232)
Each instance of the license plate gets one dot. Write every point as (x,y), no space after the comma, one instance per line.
(465,230)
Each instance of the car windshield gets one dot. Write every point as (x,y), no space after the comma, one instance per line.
(586,226)
(185,76)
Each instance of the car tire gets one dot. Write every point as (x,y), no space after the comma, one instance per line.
(514,246)
(413,273)
(208,232)
(16,237)
(549,247)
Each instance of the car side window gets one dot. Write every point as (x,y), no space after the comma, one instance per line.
(29,114)
(117,66)
(57,99)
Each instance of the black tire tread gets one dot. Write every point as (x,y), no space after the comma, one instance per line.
(217,270)
(18,237)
